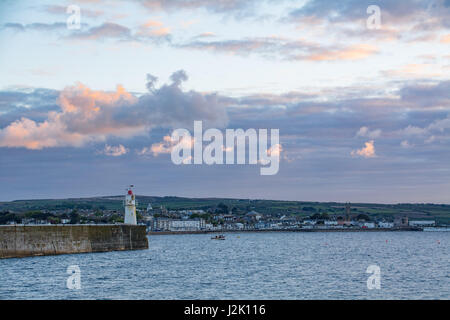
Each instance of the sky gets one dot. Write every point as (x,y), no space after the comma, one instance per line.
(361,100)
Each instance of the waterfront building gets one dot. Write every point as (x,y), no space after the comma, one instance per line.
(422,223)
(401,222)
(208,226)
(166,224)
(187,225)
(229,217)
(383,224)
(368,225)
(161,224)
(254,215)
(239,226)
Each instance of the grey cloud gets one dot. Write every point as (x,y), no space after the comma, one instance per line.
(118,32)
(89,116)
(282,48)
(304,117)
(238,7)
(427,95)
(318,135)
(338,120)
(178,77)
(104,31)
(348,10)
(170,107)
(406,20)
(62,10)
(33,103)
(101,32)
(36,26)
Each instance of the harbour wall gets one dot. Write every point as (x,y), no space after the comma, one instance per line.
(38,240)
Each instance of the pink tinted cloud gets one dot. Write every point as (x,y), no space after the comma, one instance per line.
(87,115)
(368,151)
(356,52)
(76,123)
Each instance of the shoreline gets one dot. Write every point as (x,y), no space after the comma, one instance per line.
(156,233)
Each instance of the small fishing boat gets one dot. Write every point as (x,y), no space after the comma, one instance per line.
(218,237)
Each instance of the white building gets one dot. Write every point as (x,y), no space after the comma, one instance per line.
(422,223)
(368,225)
(239,226)
(164,224)
(209,226)
(385,224)
(187,225)
(255,215)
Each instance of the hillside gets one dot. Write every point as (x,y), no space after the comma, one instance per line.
(439,212)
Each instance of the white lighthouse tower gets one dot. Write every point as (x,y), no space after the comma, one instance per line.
(130,207)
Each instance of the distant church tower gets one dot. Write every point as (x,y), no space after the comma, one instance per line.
(130,207)
(347,212)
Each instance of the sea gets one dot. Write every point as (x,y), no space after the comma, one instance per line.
(263,265)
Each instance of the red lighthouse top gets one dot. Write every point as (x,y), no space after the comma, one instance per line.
(130,192)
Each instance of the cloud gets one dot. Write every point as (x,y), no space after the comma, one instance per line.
(415,70)
(405,20)
(440,125)
(354,52)
(313,124)
(275,150)
(165,146)
(367,152)
(235,7)
(152,29)
(365,132)
(113,151)
(206,35)
(86,115)
(428,132)
(446,38)
(149,31)
(405,144)
(104,31)
(427,95)
(286,49)
(392,11)
(36,26)
(62,10)
(412,130)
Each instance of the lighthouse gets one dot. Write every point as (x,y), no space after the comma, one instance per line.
(130,207)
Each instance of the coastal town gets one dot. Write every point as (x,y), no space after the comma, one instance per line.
(161,220)
(219,218)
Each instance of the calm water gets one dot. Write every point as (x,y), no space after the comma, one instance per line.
(414,265)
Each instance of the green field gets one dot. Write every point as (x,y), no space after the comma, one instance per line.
(438,212)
